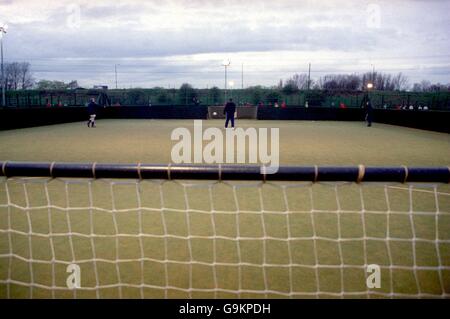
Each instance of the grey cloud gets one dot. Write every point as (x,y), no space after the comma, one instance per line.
(101,44)
(104,43)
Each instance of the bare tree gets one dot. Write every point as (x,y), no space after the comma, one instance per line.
(400,82)
(18,76)
(290,87)
(329,82)
(416,87)
(349,82)
(300,81)
(280,84)
(12,75)
(438,87)
(352,82)
(427,86)
(26,78)
(319,83)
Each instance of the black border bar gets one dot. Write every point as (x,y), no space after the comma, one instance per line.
(170,308)
(359,173)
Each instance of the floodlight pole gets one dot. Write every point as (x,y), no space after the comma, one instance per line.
(231,84)
(371,84)
(373,74)
(226,64)
(2,31)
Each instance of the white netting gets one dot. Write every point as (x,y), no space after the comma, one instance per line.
(177,239)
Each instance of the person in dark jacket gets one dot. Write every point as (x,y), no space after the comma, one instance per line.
(229,110)
(367,105)
(369,113)
(92,111)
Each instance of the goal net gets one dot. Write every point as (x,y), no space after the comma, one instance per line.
(150,231)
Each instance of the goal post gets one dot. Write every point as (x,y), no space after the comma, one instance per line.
(221,231)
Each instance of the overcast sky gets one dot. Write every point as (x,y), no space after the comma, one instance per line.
(166,43)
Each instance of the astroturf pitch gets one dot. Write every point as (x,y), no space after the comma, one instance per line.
(179,239)
(301,142)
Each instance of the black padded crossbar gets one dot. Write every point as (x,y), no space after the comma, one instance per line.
(227,172)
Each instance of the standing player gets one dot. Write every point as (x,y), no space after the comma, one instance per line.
(229,110)
(369,113)
(367,105)
(92,111)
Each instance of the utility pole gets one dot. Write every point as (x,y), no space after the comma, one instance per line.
(3,73)
(373,74)
(115,72)
(3,80)
(309,75)
(242,77)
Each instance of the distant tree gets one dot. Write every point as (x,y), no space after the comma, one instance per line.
(300,81)
(280,84)
(172,94)
(12,75)
(319,83)
(423,86)
(51,85)
(273,96)
(290,87)
(43,85)
(385,82)
(56,85)
(400,82)
(72,84)
(330,83)
(316,85)
(137,97)
(349,82)
(215,94)
(256,94)
(416,87)
(315,97)
(186,94)
(438,87)
(162,95)
(18,76)
(26,80)
(352,82)
(12,71)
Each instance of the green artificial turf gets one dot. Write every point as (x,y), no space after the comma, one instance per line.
(301,142)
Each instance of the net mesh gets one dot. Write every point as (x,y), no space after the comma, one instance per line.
(192,239)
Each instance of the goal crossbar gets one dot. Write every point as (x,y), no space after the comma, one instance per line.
(360,173)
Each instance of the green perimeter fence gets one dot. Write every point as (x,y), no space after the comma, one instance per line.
(252,96)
